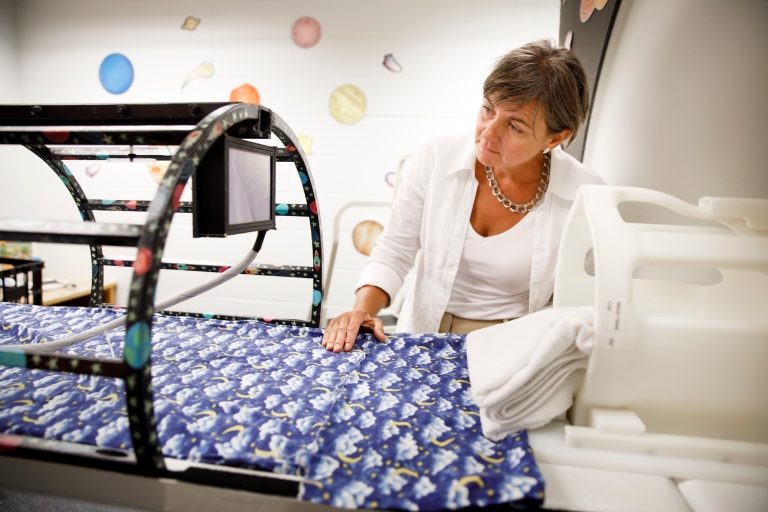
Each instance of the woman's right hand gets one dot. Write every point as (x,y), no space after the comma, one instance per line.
(342,330)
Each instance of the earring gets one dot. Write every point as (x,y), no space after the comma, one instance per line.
(546,151)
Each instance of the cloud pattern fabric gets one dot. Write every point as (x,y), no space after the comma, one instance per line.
(389,425)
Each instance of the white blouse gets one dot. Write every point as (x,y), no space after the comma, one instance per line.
(430,218)
(494,274)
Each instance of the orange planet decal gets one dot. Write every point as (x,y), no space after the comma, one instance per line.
(365,234)
(246,93)
(586,9)
(157,170)
(600,4)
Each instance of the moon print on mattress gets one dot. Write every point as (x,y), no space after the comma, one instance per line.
(388,425)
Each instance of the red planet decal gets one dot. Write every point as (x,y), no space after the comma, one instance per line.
(57,137)
(131,205)
(313,207)
(143,260)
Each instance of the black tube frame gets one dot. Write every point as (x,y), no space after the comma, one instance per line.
(157,124)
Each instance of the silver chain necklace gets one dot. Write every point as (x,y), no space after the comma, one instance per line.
(511,205)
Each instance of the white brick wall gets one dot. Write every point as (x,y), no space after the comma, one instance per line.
(446,48)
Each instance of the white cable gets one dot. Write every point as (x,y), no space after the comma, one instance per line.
(170,301)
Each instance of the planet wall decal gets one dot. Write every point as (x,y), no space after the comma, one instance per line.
(92,169)
(157,170)
(364,236)
(190,23)
(306,143)
(116,73)
(306,32)
(588,7)
(347,104)
(204,70)
(391,64)
(246,93)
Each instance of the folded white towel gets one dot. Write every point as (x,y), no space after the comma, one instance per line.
(526,372)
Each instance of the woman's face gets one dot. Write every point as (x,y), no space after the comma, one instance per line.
(504,135)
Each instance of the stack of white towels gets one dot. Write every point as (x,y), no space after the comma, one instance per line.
(525,373)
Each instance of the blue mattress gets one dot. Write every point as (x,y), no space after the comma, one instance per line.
(388,425)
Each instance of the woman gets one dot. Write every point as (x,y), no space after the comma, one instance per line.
(487,210)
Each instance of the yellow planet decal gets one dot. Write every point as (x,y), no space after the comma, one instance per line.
(190,23)
(347,104)
(306,143)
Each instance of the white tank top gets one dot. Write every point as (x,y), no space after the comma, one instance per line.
(494,275)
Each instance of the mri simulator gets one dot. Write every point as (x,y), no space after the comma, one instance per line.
(643,386)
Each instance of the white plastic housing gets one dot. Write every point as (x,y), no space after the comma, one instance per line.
(690,359)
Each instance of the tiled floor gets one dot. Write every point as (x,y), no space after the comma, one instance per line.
(19,502)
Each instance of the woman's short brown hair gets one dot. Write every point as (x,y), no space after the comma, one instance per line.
(551,76)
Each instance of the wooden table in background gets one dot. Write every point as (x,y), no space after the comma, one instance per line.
(78,296)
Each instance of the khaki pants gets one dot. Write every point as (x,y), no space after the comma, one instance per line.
(459,325)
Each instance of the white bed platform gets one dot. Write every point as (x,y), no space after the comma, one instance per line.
(578,479)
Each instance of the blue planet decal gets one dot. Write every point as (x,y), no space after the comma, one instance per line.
(303,178)
(316,297)
(107,201)
(281,209)
(137,345)
(116,73)
(67,171)
(209,315)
